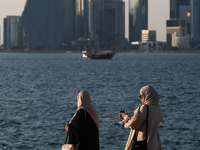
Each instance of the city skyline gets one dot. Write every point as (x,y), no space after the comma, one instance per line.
(15,8)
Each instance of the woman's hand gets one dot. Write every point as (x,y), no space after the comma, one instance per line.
(122,115)
(67,127)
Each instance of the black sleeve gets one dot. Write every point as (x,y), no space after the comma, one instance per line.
(77,128)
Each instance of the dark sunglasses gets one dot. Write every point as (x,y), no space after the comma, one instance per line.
(140,96)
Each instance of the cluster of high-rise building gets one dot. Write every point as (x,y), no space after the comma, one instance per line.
(71,24)
(183,27)
(99,24)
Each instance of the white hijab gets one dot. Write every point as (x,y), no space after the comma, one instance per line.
(150,96)
(84,102)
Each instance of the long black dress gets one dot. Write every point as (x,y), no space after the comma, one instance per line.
(84,131)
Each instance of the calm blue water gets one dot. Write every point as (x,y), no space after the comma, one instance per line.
(38,96)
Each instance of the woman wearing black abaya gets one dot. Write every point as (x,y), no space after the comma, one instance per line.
(83,128)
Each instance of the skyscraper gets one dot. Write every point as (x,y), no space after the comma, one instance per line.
(111,24)
(68,19)
(178,27)
(42,22)
(195,18)
(11,31)
(175,25)
(148,35)
(93,9)
(175,6)
(81,19)
(185,14)
(195,22)
(138,18)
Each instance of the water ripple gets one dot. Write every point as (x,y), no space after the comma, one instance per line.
(38,97)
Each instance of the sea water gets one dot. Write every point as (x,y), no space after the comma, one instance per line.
(38,94)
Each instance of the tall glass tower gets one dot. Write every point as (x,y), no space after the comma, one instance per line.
(195,23)
(92,13)
(81,19)
(175,6)
(68,20)
(111,24)
(138,18)
(11,31)
(195,18)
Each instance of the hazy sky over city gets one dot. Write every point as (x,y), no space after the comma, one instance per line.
(158,14)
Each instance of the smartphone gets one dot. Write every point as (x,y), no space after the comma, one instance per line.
(122,111)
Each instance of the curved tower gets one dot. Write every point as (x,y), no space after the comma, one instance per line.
(42,22)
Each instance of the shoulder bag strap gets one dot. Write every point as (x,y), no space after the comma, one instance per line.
(147,120)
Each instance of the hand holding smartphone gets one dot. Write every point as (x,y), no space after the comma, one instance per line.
(122,111)
(121,115)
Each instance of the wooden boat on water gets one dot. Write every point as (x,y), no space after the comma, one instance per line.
(98,54)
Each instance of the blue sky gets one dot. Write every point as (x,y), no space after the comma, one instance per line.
(158,14)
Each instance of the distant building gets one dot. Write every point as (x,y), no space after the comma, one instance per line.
(68,23)
(82,27)
(11,31)
(120,26)
(68,19)
(138,18)
(42,22)
(175,25)
(148,35)
(111,26)
(80,20)
(148,45)
(185,15)
(0,36)
(175,7)
(93,9)
(182,42)
(94,21)
(195,22)
(85,42)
